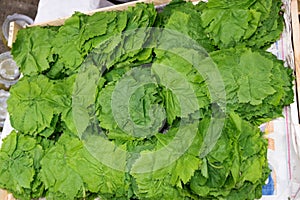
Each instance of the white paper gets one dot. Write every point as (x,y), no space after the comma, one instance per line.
(53,9)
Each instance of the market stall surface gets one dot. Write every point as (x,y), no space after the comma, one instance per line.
(9,7)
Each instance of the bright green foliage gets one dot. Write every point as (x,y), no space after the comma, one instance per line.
(110,108)
(252,23)
(50,54)
(20,158)
(236,165)
(257,84)
(185,18)
(33,52)
(34,112)
(270,25)
(42,102)
(69,171)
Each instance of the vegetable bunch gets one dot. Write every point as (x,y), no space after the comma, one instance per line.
(140,104)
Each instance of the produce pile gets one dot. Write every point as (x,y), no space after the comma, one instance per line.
(146,104)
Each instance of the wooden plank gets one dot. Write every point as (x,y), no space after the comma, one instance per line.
(13,30)
(296,45)
(4,195)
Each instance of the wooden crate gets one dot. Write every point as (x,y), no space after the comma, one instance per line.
(295,10)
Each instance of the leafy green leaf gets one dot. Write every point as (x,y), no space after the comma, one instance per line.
(19,166)
(34,112)
(31,51)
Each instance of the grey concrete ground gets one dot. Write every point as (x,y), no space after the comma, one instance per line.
(9,7)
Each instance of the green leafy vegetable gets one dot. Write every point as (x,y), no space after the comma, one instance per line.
(42,102)
(35,113)
(254,82)
(253,23)
(20,165)
(111,107)
(33,56)
(69,171)
(228,169)
(185,18)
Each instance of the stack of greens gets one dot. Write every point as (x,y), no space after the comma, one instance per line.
(109,107)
